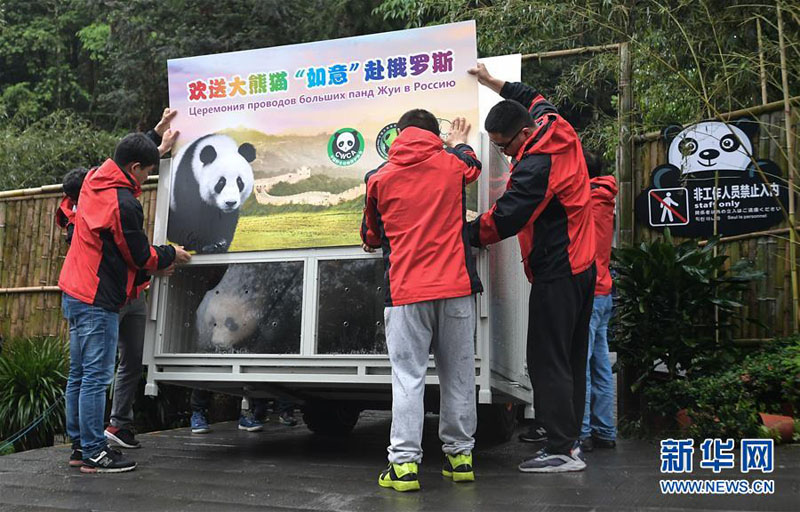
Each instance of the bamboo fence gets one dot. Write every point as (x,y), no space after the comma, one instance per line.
(32,250)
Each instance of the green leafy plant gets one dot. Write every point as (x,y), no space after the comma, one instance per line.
(726,402)
(33,374)
(677,305)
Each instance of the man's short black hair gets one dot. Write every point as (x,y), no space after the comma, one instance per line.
(73,181)
(419,118)
(507,118)
(136,147)
(594,163)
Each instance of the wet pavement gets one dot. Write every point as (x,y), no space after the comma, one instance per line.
(289,468)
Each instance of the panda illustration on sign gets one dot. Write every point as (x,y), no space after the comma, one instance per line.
(710,146)
(712,167)
(212,181)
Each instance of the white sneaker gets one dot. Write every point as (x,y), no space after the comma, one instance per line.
(545,462)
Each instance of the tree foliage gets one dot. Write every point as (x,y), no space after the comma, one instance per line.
(44,151)
(692,58)
(100,66)
(105,60)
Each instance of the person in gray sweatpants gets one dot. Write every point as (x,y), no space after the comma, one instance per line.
(447,326)
(431,284)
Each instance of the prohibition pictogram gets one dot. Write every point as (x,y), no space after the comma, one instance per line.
(669,207)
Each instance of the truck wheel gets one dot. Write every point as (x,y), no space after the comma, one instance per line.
(496,422)
(331,418)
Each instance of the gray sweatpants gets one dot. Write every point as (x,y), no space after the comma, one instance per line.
(447,325)
(132,320)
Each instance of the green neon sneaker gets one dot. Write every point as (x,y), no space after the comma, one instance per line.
(400,477)
(458,467)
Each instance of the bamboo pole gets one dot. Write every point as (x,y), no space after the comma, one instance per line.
(626,174)
(3,208)
(761,67)
(26,245)
(51,243)
(151,182)
(787,114)
(29,289)
(747,236)
(9,257)
(753,111)
(573,51)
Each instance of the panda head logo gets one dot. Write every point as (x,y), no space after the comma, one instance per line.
(710,146)
(346,142)
(345,146)
(224,173)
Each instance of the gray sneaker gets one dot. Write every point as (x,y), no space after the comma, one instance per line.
(545,462)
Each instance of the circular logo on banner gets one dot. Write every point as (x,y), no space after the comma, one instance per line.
(385,138)
(345,146)
(444,128)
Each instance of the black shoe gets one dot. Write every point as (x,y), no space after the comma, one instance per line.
(122,437)
(599,442)
(76,457)
(587,444)
(107,461)
(535,434)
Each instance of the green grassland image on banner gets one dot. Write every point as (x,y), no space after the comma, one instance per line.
(274,143)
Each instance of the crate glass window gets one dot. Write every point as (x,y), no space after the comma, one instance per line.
(350,319)
(250,308)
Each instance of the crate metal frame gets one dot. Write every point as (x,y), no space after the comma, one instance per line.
(348,373)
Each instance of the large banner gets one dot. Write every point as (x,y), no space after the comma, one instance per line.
(275,143)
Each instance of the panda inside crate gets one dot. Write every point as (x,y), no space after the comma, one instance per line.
(256,308)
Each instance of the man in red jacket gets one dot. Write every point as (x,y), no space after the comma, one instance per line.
(598,430)
(99,274)
(415,211)
(132,316)
(547,205)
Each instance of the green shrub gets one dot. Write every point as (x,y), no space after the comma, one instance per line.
(669,297)
(726,402)
(33,374)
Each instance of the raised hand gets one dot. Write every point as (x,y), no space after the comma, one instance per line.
(166,118)
(459,130)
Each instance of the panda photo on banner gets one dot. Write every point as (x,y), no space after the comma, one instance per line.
(712,170)
(212,181)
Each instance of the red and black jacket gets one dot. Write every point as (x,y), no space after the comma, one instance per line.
(547,202)
(416,212)
(65,216)
(65,219)
(109,245)
(604,190)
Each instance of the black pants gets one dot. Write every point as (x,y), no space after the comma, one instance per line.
(558,339)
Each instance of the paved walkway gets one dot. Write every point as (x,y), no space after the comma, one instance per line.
(286,468)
